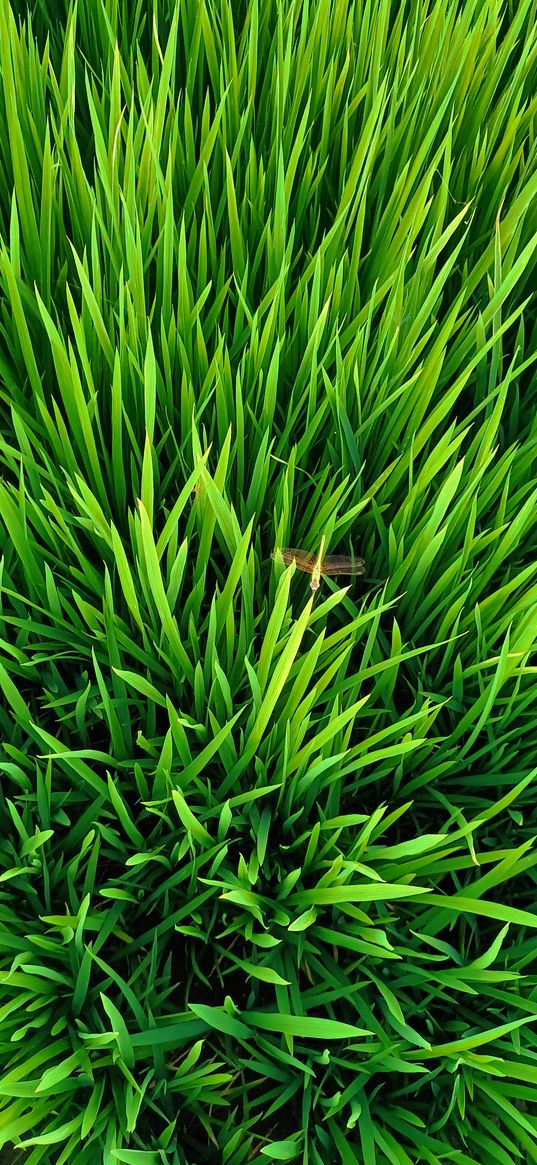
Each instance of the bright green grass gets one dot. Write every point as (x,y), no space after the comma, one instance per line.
(268,871)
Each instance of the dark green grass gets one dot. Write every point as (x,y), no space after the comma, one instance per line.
(267,873)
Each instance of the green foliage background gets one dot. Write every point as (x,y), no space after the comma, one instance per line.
(267,871)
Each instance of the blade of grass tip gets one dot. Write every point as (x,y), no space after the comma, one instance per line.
(94,310)
(118,744)
(190,772)
(270,698)
(123,815)
(65,760)
(21,325)
(147,486)
(323,737)
(18,535)
(223,512)
(235,233)
(171,524)
(225,599)
(150,387)
(17,147)
(158,591)
(125,577)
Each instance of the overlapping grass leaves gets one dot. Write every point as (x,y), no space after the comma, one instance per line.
(267,882)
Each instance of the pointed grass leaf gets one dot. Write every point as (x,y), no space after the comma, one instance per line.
(303,1026)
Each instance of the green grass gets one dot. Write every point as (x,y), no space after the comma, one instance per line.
(268,871)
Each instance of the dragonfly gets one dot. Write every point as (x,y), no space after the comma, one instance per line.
(319,564)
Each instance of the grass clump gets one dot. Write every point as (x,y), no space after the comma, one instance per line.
(267,878)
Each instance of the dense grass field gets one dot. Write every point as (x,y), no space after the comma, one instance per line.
(268,859)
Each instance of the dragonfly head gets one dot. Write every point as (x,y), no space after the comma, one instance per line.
(314,584)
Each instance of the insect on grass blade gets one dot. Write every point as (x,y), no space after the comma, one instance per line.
(317,565)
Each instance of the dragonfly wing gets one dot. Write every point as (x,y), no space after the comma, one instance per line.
(288,554)
(341,564)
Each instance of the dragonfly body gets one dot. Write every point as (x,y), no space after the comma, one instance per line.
(317,565)
(316,576)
